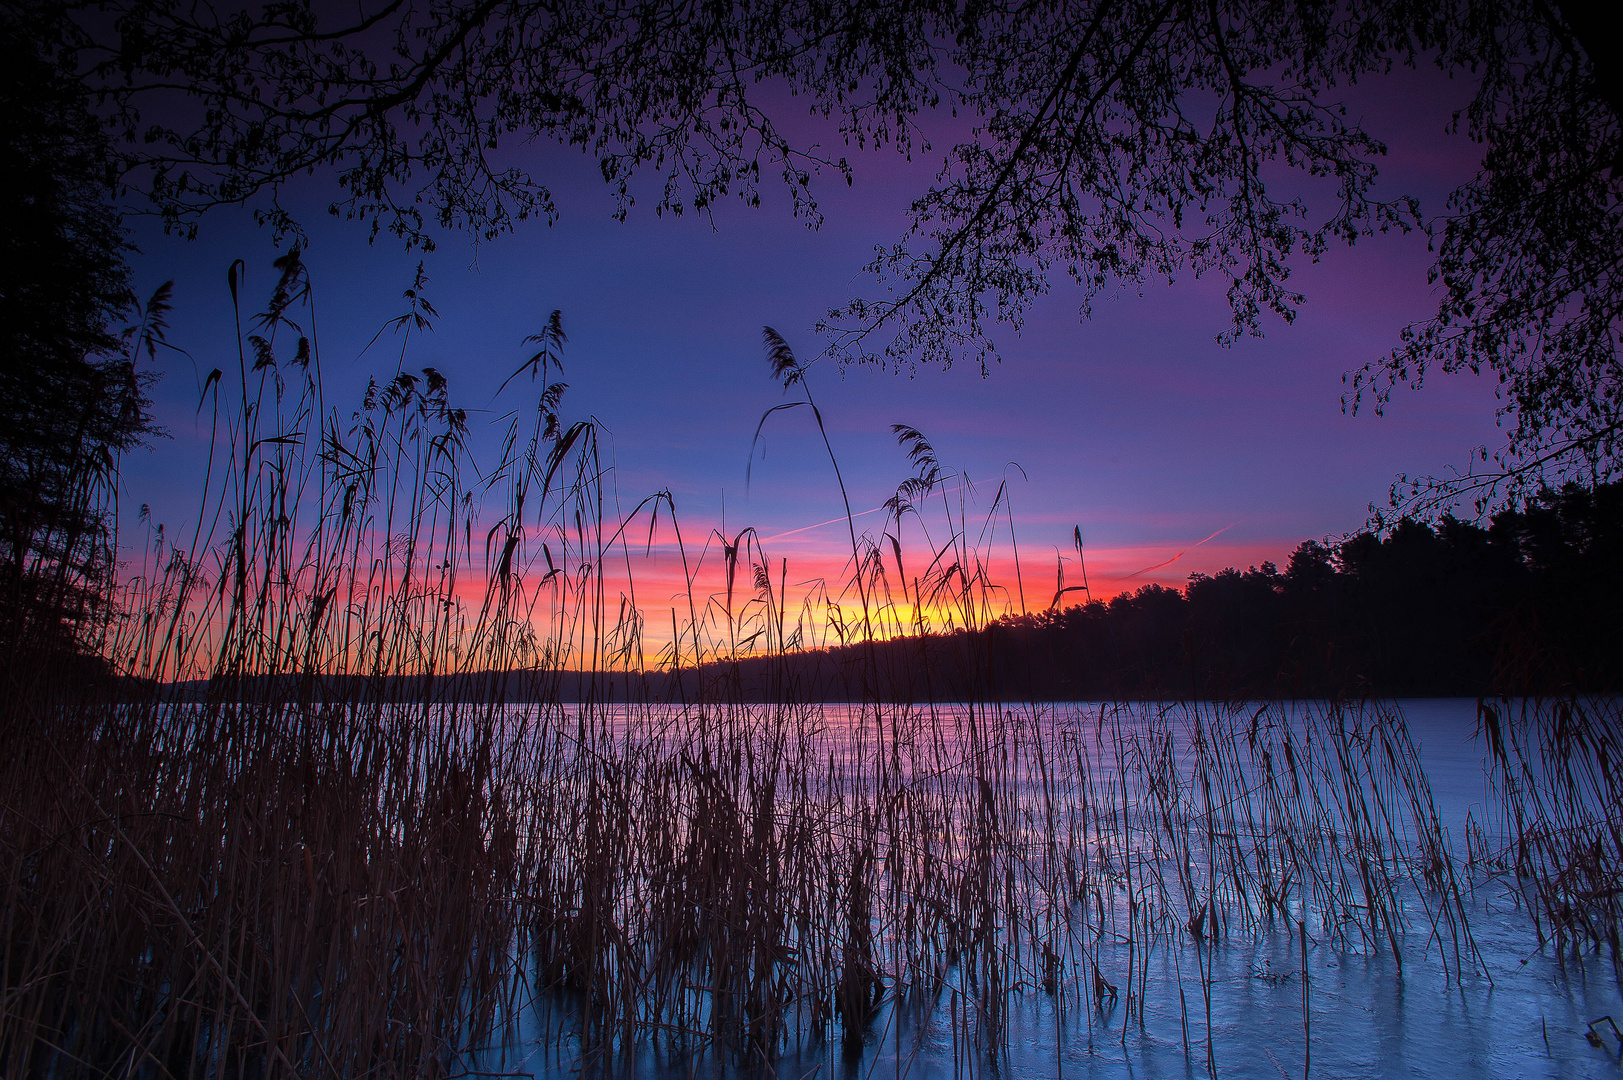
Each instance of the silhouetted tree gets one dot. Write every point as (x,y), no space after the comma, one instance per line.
(70,397)
(1526,605)
(1111,142)
(1570,543)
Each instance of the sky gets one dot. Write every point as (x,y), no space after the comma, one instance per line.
(1172,454)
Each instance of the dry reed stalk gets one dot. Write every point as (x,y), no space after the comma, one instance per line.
(351,853)
(1557,824)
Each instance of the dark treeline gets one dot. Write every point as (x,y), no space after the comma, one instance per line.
(1528,604)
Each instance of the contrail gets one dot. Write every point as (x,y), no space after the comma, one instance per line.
(831,521)
(864,513)
(1180,554)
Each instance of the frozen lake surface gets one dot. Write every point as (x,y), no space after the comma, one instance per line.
(1346,1010)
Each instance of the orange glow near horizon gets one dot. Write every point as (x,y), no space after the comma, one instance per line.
(809,573)
(791,588)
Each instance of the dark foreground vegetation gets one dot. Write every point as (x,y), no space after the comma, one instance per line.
(352,853)
(271,890)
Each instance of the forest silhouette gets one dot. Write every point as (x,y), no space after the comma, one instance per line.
(1523,605)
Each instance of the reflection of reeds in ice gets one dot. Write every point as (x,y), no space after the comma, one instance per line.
(351,854)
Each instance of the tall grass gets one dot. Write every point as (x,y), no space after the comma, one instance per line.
(311,865)
(340,820)
(1555,833)
(739,874)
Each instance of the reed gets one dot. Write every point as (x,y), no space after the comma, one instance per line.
(338,819)
(1554,832)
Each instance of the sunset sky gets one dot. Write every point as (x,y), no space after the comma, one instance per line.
(1172,454)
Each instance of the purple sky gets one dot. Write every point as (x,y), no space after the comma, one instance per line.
(1135,425)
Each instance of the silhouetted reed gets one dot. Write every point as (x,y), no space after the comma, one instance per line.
(1555,831)
(338,818)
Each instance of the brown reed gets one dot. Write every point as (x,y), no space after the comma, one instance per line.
(370,835)
(1555,828)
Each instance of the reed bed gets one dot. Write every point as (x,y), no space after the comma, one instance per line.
(283,836)
(216,891)
(1554,833)
(385,889)
(336,818)
(745,877)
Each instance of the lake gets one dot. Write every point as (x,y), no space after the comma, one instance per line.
(1059,890)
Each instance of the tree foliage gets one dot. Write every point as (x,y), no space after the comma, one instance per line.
(1527,256)
(71,399)
(1112,142)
